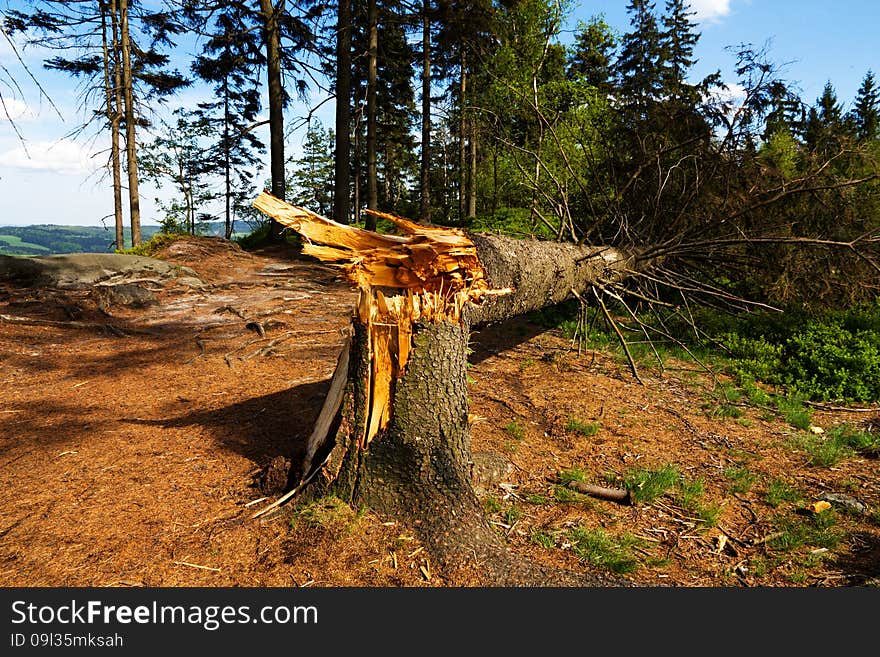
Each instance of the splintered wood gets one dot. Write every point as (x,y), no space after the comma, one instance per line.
(427,274)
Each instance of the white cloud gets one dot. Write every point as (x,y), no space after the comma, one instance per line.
(732,93)
(64,156)
(710,11)
(17,110)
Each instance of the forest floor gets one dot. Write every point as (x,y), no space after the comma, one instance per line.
(132,440)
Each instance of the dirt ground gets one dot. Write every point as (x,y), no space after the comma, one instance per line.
(133,437)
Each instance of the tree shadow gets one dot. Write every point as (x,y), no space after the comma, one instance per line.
(492,339)
(259,428)
(862,565)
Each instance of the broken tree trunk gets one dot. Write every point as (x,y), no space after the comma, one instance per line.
(394,431)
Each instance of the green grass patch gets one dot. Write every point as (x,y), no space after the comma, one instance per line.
(741,479)
(491,504)
(17,242)
(645,486)
(585,429)
(567,495)
(604,550)
(543,539)
(794,412)
(329,513)
(515,430)
(837,444)
(152,246)
(779,491)
(815,531)
(574,474)
(724,410)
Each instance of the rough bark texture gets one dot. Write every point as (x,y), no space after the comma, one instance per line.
(540,274)
(372,97)
(342,164)
(134,202)
(419,470)
(425,165)
(112,91)
(276,104)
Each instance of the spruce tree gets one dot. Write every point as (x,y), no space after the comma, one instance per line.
(590,58)
(638,67)
(866,109)
(312,174)
(678,40)
(230,61)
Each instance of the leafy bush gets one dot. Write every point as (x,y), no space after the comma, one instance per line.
(832,357)
(511,221)
(155,244)
(831,362)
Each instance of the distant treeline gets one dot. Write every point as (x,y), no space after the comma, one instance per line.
(49,239)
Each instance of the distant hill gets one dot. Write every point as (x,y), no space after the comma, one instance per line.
(51,239)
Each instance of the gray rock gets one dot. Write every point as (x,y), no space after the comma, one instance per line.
(124,294)
(844,502)
(190,281)
(82,270)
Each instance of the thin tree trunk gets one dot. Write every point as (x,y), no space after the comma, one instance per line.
(227,168)
(462,137)
(472,171)
(425,168)
(357,156)
(130,143)
(372,94)
(494,178)
(342,183)
(112,98)
(276,103)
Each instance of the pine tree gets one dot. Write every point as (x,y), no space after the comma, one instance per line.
(178,155)
(464,41)
(384,107)
(866,109)
(117,48)
(785,114)
(638,67)
(825,126)
(590,58)
(230,61)
(343,85)
(678,40)
(312,174)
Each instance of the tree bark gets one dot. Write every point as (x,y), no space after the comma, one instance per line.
(342,183)
(419,470)
(372,93)
(462,139)
(134,202)
(227,165)
(472,171)
(112,89)
(425,167)
(272,36)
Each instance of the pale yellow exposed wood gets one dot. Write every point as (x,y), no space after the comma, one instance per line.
(427,274)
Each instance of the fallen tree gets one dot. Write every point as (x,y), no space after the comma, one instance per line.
(394,431)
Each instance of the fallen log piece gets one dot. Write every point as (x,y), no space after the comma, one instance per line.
(619,495)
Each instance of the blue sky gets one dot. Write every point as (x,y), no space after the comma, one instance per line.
(61,180)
